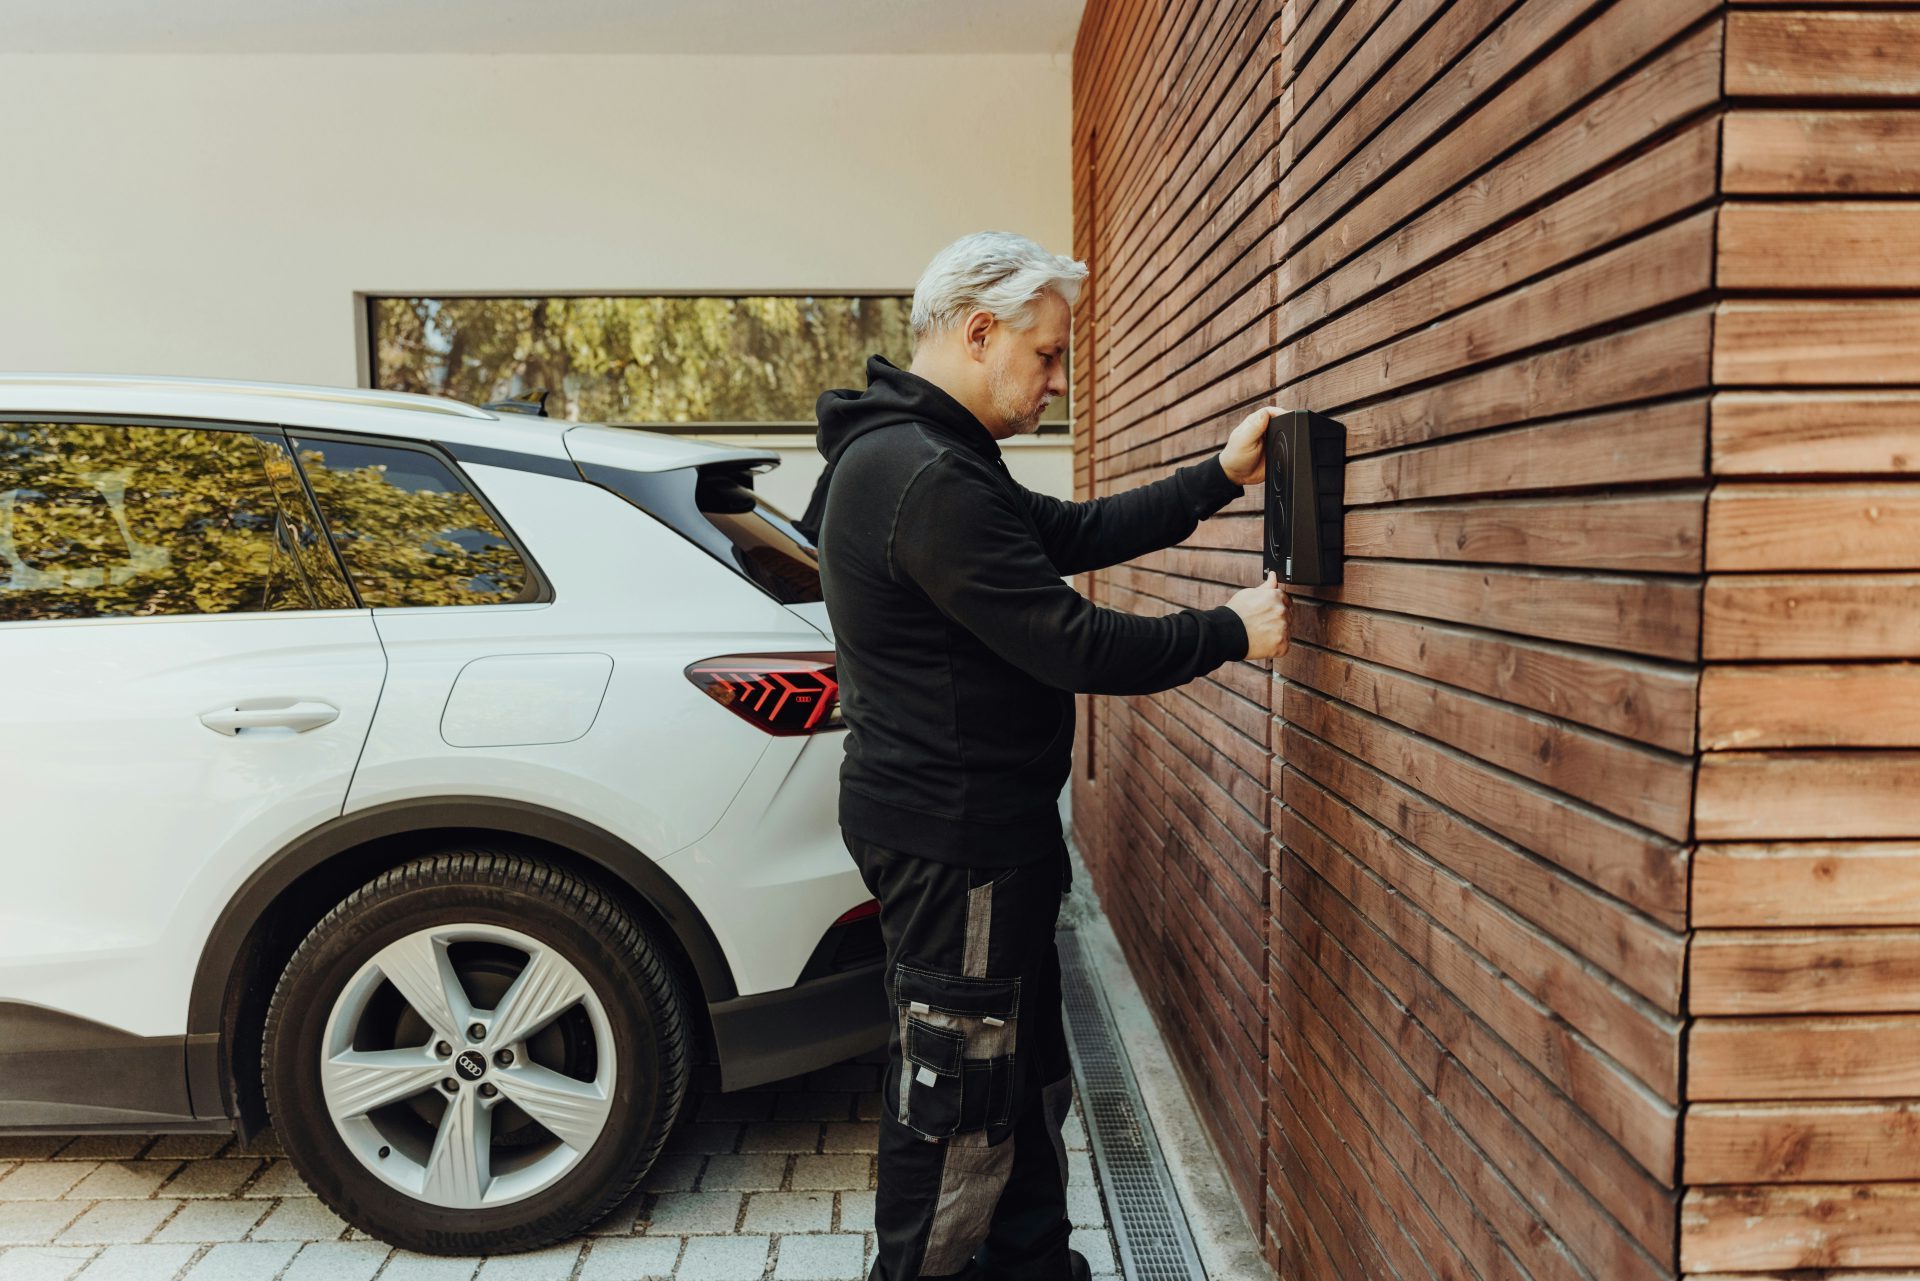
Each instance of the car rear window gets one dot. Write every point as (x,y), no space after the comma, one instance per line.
(715,508)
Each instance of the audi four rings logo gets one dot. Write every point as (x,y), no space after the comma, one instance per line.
(471,1066)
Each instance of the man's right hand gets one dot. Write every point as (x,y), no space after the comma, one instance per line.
(1263,610)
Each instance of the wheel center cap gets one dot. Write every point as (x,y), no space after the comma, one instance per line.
(471,1066)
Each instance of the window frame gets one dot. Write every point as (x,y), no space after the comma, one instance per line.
(544,593)
(166,423)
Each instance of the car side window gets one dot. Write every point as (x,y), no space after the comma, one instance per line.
(410,532)
(102,520)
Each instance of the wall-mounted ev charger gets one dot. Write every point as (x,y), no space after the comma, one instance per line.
(1306,477)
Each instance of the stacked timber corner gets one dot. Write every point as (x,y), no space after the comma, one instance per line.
(1552,908)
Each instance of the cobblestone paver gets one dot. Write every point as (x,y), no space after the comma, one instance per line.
(773,1184)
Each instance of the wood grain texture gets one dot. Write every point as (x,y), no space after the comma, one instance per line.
(1784,617)
(1616,448)
(1837,883)
(1847,1225)
(1803,971)
(1790,433)
(1810,705)
(1802,1142)
(1648,702)
(1866,1057)
(1811,343)
(1822,54)
(1810,795)
(1813,526)
(1830,245)
(1820,152)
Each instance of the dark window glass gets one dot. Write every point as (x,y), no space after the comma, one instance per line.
(409,531)
(714,364)
(100,521)
(715,508)
(765,545)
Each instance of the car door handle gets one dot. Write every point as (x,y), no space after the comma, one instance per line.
(295,717)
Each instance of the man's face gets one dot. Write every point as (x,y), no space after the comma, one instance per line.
(1027,368)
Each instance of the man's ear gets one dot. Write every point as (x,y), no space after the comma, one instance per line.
(979,324)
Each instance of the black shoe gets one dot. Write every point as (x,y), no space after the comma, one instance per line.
(1078,1269)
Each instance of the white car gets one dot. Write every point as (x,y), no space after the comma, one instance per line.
(437,784)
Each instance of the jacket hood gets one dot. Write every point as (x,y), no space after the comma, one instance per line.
(893,397)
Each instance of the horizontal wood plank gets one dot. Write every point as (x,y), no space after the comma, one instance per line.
(1811,343)
(1815,433)
(1801,1142)
(1810,705)
(1828,245)
(1813,526)
(1825,54)
(1814,152)
(1810,616)
(1807,883)
(1833,971)
(1812,795)
(1862,1057)
(1646,533)
(1848,1225)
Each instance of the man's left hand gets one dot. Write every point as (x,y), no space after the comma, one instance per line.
(1245,457)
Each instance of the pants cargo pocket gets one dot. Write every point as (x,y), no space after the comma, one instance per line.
(958,1043)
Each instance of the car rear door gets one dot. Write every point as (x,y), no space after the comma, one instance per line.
(189,682)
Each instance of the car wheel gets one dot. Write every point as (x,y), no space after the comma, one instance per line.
(475,1053)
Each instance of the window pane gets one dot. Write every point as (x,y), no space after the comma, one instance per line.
(661,360)
(409,531)
(105,521)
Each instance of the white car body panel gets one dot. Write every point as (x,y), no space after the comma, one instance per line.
(133,823)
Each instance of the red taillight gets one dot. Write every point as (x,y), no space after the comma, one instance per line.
(869,908)
(780,693)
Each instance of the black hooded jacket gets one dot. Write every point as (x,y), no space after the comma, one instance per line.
(959,646)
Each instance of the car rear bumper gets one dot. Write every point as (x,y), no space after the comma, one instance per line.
(770,1036)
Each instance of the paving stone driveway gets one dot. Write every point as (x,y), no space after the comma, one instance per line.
(770,1183)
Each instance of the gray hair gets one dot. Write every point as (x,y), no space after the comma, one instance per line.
(995,271)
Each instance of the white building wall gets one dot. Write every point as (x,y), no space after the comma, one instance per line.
(219,215)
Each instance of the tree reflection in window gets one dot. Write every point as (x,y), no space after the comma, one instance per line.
(409,531)
(101,521)
(758,362)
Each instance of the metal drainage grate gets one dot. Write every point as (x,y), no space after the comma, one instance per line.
(1147,1221)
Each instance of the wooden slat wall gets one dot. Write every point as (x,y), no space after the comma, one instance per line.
(1495,264)
(1552,909)
(1802,1135)
(1174,156)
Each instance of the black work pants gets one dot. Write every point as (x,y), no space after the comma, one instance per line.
(972,1165)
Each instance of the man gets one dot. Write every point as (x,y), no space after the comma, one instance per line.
(959,650)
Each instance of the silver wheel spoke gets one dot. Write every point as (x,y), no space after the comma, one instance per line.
(419,967)
(358,1081)
(541,993)
(575,1111)
(461,1165)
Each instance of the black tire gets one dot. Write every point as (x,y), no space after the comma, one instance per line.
(600,938)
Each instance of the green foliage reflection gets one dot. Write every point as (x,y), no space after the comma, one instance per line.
(100,521)
(642,360)
(408,531)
